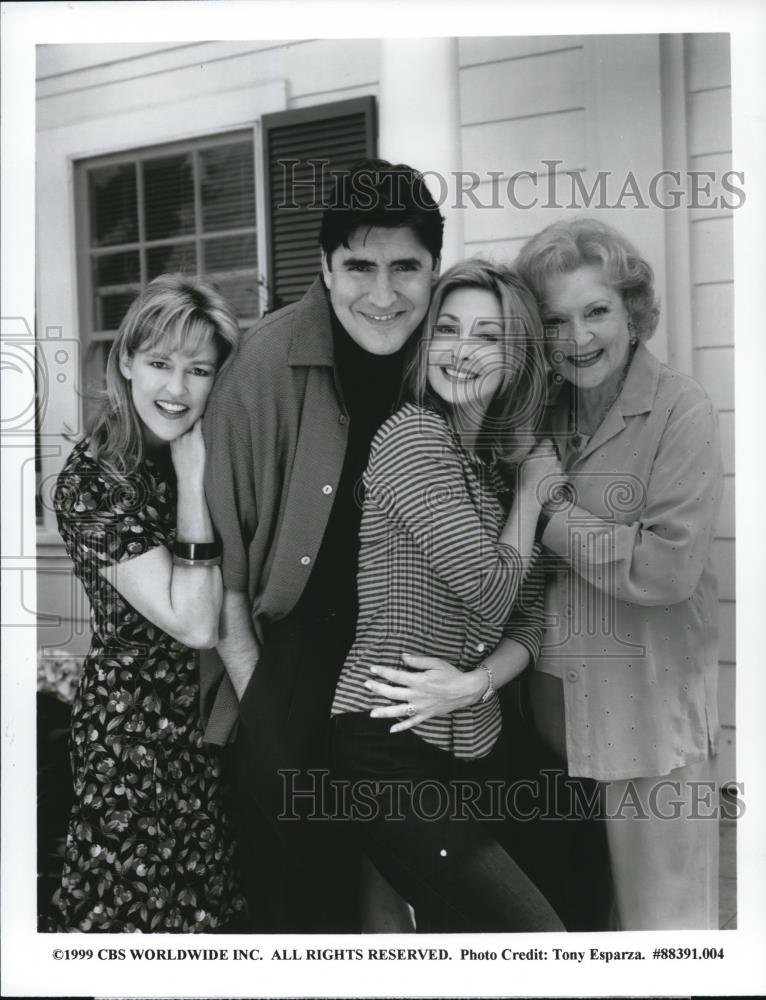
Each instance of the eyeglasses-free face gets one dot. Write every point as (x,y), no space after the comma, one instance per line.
(587,335)
(380,286)
(170,388)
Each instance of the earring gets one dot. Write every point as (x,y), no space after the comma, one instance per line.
(632,334)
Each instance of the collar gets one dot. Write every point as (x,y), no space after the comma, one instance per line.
(637,396)
(640,389)
(311,342)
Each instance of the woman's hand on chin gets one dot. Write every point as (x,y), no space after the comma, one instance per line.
(431,687)
(188,455)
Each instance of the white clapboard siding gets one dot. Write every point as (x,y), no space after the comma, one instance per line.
(75,60)
(726,695)
(727,766)
(329,96)
(521,143)
(708,196)
(712,250)
(725,527)
(710,122)
(199,79)
(714,369)
(713,312)
(726,423)
(707,59)
(310,67)
(499,48)
(727,633)
(521,87)
(523,212)
(327,64)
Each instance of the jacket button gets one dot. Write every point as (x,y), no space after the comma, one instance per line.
(327,490)
(480,647)
(572,675)
(342,419)
(305,560)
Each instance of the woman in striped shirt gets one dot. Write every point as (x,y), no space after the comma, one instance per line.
(450,607)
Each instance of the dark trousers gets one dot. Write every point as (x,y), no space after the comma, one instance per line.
(301,865)
(407,800)
(556,834)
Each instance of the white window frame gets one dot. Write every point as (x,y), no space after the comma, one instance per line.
(57,271)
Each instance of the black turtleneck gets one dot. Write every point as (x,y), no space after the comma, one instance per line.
(369,386)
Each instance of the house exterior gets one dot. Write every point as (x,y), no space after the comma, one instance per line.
(167,156)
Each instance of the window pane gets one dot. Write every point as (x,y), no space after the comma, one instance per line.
(110,308)
(227,183)
(174,257)
(121,268)
(168,196)
(113,206)
(243,294)
(230,253)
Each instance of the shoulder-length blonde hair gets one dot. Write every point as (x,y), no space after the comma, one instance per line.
(174,311)
(515,414)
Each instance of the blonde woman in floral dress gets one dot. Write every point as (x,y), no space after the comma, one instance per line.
(149,846)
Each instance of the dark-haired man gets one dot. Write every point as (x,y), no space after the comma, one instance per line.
(288,433)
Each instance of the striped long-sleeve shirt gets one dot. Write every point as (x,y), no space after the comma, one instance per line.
(433,578)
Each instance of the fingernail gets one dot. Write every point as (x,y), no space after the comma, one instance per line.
(373,670)
(374,713)
(368,684)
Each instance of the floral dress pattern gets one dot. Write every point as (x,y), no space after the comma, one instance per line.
(149,846)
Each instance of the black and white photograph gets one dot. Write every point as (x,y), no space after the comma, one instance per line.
(380,590)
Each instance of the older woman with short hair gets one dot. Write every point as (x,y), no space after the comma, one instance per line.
(626,687)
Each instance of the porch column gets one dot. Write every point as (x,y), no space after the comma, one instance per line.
(420,121)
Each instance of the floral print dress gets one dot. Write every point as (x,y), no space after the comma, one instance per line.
(149,846)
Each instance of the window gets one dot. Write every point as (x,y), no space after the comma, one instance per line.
(186,207)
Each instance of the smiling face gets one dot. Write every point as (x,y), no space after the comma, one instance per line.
(586,327)
(380,286)
(170,387)
(467,357)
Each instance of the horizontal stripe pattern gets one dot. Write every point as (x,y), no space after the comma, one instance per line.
(433,578)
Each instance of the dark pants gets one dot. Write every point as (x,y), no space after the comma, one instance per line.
(301,869)
(557,837)
(408,802)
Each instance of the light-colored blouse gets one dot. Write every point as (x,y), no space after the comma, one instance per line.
(433,578)
(631,606)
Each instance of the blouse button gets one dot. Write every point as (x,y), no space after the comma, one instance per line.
(480,647)
(327,489)
(572,675)
(305,560)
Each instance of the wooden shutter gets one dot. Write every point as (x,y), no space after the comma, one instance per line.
(302,150)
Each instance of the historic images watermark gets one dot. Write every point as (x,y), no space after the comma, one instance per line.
(309,184)
(551,795)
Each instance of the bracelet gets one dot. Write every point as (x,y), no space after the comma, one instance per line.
(490,684)
(180,561)
(197,553)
